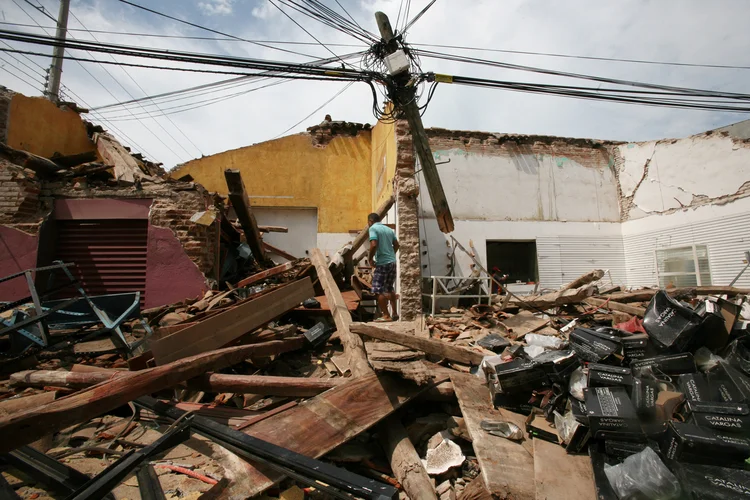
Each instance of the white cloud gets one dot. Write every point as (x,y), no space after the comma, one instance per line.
(217,7)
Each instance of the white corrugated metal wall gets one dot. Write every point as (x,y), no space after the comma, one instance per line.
(727,239)
(564,258)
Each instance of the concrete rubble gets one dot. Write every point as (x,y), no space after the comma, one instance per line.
(274,380)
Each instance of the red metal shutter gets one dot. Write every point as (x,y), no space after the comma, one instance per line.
(110,254)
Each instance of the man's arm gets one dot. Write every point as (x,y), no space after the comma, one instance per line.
(373,249)
(395,245)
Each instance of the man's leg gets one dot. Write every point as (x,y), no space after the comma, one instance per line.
(394,306)
(383,305)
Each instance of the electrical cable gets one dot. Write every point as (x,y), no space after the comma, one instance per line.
(416,18)
(210,30)
(34,71)
(616,81)
(30,76)
(144,93)
(592,58)
(41,9)
(344,89)
(314,11)
(183,37)
(311,35)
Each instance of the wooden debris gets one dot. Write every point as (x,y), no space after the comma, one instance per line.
(223,328)
(429,346)
(274,271)
(273,229)
(524,322)
(28,160)
(241,203)
(616,306)
(542,302)
(559,475)
(124,165)
(398,445)
(507,467)
(281,253)
(17,404)
(24,427)
(587,278)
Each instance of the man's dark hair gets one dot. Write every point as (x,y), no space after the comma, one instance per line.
(373,217)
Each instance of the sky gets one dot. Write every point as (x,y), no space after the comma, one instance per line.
(212,121)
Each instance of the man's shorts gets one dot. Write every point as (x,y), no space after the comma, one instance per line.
(384,278)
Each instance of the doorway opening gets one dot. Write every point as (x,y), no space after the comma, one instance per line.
(517,259)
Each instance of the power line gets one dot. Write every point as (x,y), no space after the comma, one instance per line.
(210,30)
(316,11)
(184,37)
(32,76)
(592,58)
(33,70)
(416,18)
(311,35)
(344,89)
(113,96)
(41,9)
(144,93)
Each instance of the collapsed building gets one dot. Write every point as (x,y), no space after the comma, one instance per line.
(247,366)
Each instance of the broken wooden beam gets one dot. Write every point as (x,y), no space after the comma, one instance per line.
(616,306)
(17,404)
(561,475)
(278,251)
(398,445)
(587,278)
(507,466)
(25,427)
(560,298)
(228,325)
(28,160)
(274,271)
(124,166)
(209,382)
(364,235)
(429,346)
(273,229)
(354,346)
(241,203)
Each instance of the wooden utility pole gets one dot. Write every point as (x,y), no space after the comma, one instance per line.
(405,100)
(58,52)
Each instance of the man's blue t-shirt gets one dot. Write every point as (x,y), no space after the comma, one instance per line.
(385,236)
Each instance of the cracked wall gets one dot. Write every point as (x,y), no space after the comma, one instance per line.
(666,176)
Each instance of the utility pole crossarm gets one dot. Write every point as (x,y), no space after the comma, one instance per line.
(406,101)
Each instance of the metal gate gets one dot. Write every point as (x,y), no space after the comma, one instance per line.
(109,254)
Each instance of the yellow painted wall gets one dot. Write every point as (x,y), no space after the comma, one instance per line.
(291,172)
(38,126)
(383,161)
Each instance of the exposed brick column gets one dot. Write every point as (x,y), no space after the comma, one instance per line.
(407,190)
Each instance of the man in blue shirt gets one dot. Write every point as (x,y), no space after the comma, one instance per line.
(383,248)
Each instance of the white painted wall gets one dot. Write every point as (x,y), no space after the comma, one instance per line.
(671,174)
(302,224)
(525,186)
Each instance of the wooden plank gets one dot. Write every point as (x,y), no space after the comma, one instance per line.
(264,274)
(616,306)
(320,424)
(559,476)
(226,326)
(560,298)
(27,426)
(645,295)
(364,235)
(430,346)
(507,467)
(273,229)
(113,153)
(241,203)
(524,322)
(350,298)
(353,344)
(585,279)
(28,160)
(278,251)
(13,405)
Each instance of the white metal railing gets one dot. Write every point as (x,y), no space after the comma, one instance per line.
(439,281)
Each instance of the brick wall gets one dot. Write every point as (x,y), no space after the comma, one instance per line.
(20,205)
(6,96)
(407,190)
